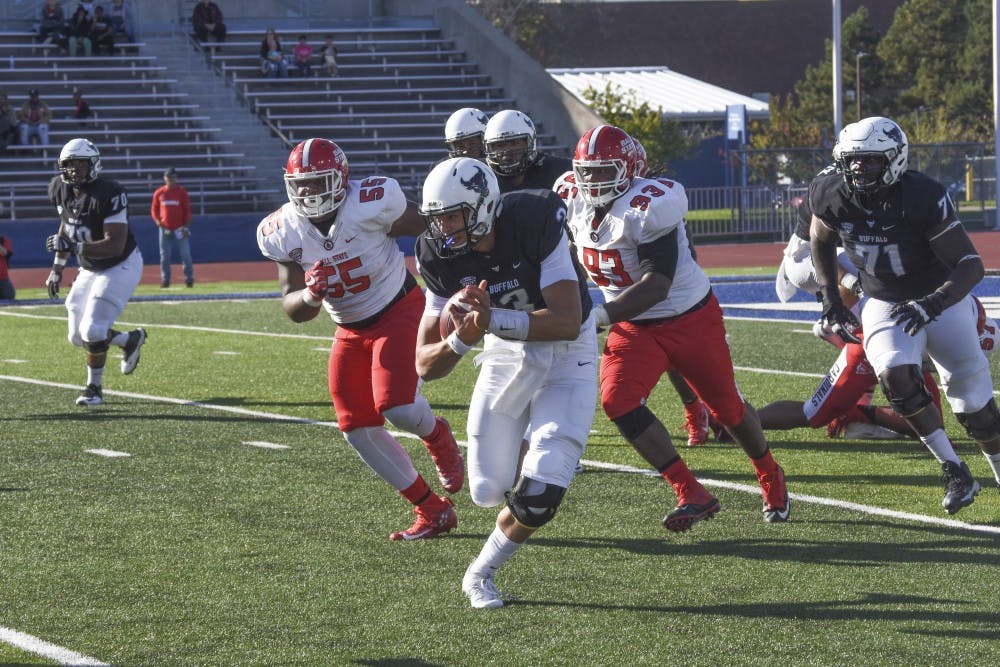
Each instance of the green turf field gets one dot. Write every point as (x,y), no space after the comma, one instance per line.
(200,549)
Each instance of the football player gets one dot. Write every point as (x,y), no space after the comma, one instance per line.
(94,226)
(696,418)
(463,133)
(511,150)
(334,244)
(538,371)
(917,266)
(629,235)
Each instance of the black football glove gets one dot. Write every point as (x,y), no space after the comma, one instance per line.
(59,243)
(52,283)
(915,314)
(839,319)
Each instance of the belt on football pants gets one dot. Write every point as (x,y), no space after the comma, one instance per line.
(660,320)
(408,285)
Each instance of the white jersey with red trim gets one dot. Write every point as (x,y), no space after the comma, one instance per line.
(370,266)
(608,249)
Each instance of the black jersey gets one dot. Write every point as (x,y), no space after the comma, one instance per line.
(889,244)
(540,174)
(98,200)
(528,229)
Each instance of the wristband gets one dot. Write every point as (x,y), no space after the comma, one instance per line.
(58,261)
(851,283)
(456,344)
(308,300)
(509,324)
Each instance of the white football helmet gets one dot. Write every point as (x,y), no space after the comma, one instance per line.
(871,137)
(465,184)
(79,149)
(505,126)
(465,124)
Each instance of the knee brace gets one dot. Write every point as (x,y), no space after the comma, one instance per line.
(904,387)
(632,424)
(97,347)
(983,424)
(534,503)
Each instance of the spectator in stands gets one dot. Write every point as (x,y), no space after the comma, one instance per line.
(8,122)
(53,23)
(81,24)
(82,110)
(330,56)
(171,211)
(102,33)
(35,117)
(303,54)
(207,20)
(6,286)
(120,16)
(272,60)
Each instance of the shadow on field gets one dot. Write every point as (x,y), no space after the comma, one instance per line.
(883,607)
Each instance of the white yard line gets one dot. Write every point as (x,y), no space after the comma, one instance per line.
(42,648)
(109,453)
(264,445)
(752,490)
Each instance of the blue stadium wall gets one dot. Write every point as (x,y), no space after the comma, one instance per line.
(214,238)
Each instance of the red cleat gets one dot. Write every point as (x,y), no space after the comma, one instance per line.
(447,459)
(696,423)
(429,523)
(777,505)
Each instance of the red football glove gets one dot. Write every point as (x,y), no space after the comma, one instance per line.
(317,282)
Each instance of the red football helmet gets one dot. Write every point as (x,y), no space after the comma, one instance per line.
(316,177)
(641,163)
(604,164)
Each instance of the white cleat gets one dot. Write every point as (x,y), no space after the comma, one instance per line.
(482,592)
(131,350)
(91,396)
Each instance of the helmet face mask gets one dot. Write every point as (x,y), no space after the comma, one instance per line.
(462,185)
(510,141)
(79,162)
(871,154)
(604,164)
(316,178)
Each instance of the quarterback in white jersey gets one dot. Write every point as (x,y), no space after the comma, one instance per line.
(334,246)
(629,237)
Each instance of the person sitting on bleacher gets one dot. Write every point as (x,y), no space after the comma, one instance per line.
(80,26)
(207,20)
(120,17)
(272,60)
(102,34)
(53,23)
(303,53)
(8,122)
(35,117)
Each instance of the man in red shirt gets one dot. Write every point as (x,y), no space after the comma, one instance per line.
(171,211)
(6,286)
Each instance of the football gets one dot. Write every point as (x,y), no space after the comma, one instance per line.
(445,322)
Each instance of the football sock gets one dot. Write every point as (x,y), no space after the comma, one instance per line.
(418,492)
(994,461)
(497,551)
(118,338)
(95,375)
(940,446)
(764,463)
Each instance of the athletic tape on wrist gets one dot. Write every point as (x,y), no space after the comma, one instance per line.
(456,344)
(509,324)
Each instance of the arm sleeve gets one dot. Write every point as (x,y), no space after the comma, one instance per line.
(558,265)
(659,255)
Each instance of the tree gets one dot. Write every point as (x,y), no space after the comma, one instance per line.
(663,139)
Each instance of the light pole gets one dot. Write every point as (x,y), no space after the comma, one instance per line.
(857,82)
